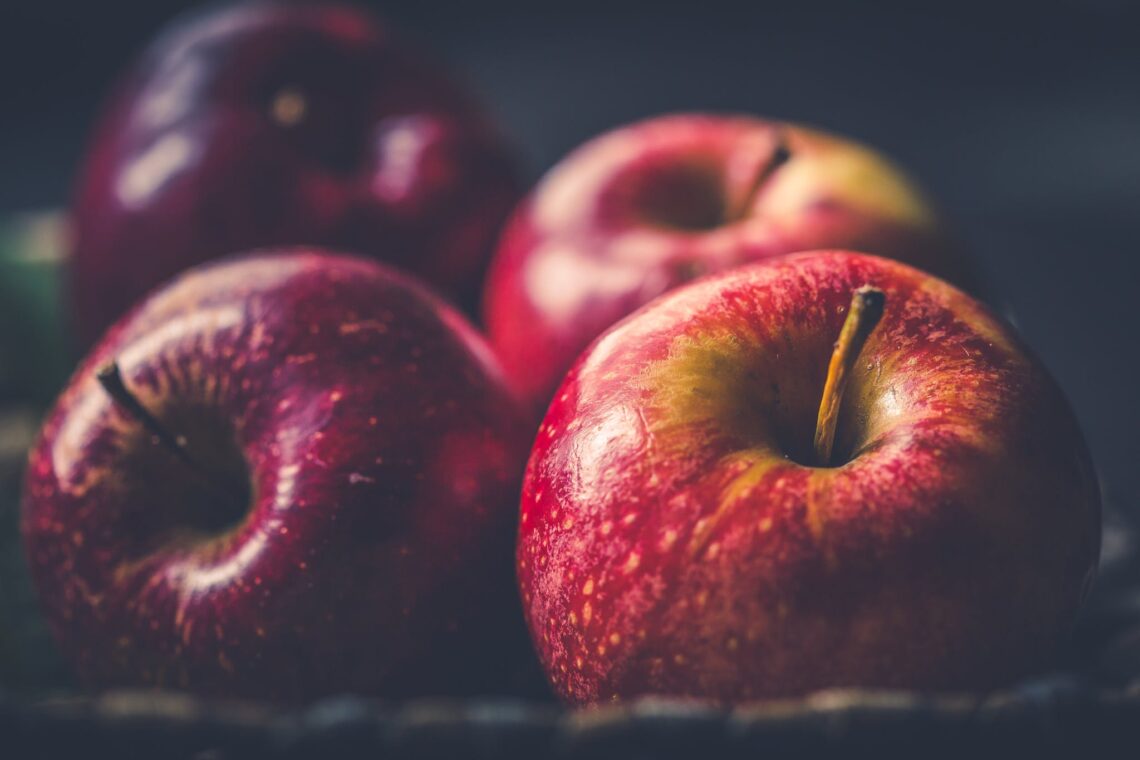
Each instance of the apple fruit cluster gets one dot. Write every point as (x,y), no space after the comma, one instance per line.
(768,463)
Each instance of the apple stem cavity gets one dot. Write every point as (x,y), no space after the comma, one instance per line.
(111,379)
(866,310)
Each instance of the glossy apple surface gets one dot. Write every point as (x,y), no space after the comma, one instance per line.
(268,124)
(677,537)
(642,209)
(373,453)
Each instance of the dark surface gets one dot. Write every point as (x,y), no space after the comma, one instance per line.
(1024,123)
(1068,721)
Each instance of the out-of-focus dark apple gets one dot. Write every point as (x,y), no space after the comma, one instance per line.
(268,124)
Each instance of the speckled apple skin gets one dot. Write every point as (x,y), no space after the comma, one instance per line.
(384,456)
(672,543)
(645,208)
(204,151)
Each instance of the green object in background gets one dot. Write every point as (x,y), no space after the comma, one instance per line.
(35,359)
(35,350)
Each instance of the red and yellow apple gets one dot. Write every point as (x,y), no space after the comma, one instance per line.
(680,535)
(642,209)
(269,124)
(283,476)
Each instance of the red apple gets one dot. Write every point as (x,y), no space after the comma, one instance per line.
(644,208)
(680,536)
(267,124)
(282,476)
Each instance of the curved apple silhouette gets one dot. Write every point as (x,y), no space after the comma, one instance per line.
(282,477)
(269,124)
(642,209)
(680,536)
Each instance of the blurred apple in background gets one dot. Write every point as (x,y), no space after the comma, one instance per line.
(682,533)
(285,476)
(644,208)
(268,124)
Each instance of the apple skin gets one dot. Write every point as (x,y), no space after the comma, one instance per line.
(274,124)
(383,452)
(647,207)
(672,543)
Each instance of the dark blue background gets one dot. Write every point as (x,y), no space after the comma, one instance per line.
(1023,121)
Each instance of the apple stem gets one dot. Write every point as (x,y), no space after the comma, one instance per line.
(110,377)
(780,156)
(866,309)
